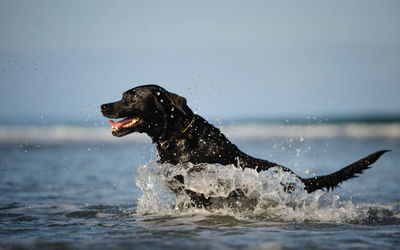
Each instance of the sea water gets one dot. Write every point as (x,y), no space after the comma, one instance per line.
(79,187)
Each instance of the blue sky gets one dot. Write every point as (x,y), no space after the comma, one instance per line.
(230,59)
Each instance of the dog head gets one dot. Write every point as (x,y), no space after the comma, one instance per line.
(148,109)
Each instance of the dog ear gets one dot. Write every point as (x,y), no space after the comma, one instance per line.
(179,102)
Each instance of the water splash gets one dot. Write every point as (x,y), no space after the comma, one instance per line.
(264,198)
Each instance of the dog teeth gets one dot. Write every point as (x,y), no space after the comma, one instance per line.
(133,122)
(116,126)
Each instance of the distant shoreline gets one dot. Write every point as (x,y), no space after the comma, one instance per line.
(98,121)
(101,133)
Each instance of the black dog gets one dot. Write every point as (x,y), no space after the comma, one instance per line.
(181,137)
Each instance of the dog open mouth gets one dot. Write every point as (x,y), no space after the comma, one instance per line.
(124,124)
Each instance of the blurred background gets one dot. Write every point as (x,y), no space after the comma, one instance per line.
(232,60)
(313,85)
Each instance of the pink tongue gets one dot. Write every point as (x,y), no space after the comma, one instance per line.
(121,123)
(115,124)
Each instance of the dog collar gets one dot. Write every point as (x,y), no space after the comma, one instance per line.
(188,126)
(165,144)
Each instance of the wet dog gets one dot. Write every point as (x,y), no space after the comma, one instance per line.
(182,137)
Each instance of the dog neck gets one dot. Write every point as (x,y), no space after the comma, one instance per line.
(164,144)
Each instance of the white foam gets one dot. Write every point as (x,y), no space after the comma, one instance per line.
(352,130)
(265,196)
(57,134)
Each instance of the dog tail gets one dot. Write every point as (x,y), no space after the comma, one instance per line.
(332,181)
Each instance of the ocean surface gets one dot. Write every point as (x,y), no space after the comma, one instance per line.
(77,187)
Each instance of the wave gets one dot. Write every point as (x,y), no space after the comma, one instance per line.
(352,130)
(57,134)
(61,134)
(265,197)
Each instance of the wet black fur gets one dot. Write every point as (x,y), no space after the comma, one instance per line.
(181,137)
